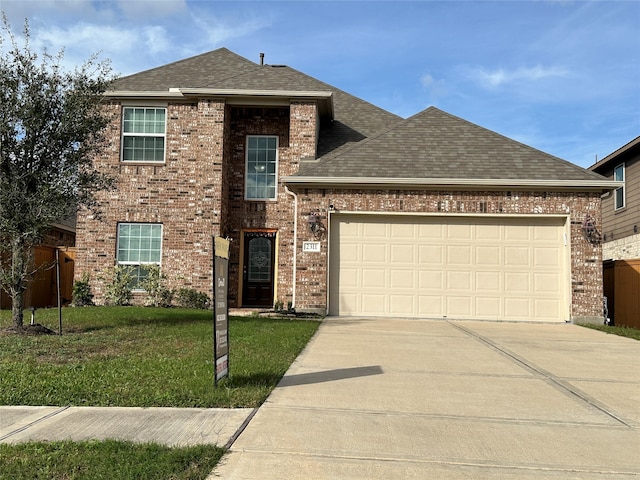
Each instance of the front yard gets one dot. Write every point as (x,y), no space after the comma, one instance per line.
(135,356)
(144,357)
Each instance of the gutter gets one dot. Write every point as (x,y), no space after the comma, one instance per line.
(448,183)
(295,243)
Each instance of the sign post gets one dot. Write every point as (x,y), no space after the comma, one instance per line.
(220,308)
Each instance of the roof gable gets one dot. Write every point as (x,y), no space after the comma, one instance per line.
(437,145)
(624,153)
(215,67)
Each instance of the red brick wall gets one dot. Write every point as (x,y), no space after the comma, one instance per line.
(199,192)
(183,194)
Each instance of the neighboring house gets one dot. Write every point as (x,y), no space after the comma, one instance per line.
(621,210)
(335,205)
(620,231)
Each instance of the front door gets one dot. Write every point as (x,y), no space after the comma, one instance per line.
(258,269)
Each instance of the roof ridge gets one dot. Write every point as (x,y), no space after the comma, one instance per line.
(188,59)
(529,147)
(435,143)
(513,141)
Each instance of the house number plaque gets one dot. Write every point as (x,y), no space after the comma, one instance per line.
(311,247)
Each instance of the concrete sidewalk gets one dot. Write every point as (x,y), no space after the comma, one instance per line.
(166,426)
(408,399)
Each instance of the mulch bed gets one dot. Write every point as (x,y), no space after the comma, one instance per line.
(35,329)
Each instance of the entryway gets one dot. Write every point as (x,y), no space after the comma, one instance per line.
(258,267)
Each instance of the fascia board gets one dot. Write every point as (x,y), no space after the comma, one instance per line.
(234,92)
(470,183)
(142,94)
(625,148)
(233,96)
(61,226)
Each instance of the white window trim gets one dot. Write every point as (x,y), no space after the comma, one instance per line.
(623,188)
(137,264)
(246,168)
(124,134)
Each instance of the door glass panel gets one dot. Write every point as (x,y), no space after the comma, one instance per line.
(259,260)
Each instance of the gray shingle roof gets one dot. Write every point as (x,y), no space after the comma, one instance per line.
(435,144)
(354,118)
(366,141)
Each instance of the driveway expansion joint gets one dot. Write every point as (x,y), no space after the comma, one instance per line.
(34,422)
(562,385)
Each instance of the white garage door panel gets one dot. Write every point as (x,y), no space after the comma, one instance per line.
(509,268)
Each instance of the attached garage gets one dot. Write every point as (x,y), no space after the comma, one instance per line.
(449,266)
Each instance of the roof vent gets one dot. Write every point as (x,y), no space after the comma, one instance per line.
(261,58)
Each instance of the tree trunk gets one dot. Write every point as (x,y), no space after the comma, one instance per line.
(20,257)
(17,307)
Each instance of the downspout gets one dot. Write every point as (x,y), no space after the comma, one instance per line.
(295,241)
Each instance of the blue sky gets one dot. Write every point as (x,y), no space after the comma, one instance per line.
(561,76)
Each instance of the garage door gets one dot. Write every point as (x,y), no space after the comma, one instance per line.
(456,267)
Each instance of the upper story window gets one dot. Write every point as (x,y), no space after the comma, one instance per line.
(143,134)
(139,244)
(261,167)
(618,176)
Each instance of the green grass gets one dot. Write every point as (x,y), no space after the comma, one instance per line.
(621,331)
(144,357)
(105,460)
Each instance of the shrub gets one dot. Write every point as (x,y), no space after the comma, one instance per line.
(190,298)
(158,295)
(81,295)
(118,285)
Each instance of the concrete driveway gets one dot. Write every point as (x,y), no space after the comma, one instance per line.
(409,399)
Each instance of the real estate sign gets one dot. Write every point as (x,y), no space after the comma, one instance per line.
(220,308)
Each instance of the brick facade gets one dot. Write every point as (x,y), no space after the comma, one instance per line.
(586,259)
(199,193)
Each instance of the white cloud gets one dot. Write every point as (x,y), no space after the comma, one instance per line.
(501,76)
(122,45)
(436,88)
(217,31)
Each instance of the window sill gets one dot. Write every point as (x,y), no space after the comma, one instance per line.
(137,163)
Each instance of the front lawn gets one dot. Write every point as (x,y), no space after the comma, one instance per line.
(106,460)
(144,357)
(621,331)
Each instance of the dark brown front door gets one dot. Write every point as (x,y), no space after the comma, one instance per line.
(258,269)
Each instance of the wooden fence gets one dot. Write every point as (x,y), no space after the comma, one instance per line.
(43,292)
(622,289)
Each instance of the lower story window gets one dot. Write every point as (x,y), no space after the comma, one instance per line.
(139,244)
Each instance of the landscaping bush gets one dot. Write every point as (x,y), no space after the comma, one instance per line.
(118,285)
(190,298)
(81,295)
(158,295)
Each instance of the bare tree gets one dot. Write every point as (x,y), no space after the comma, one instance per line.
(51,127)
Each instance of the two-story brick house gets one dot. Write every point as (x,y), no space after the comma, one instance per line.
(335,205)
